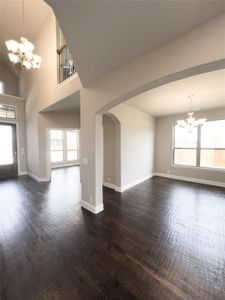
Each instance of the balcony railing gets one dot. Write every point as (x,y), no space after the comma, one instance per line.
(66,65)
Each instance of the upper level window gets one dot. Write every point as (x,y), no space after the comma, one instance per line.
(1,87)
(7,111)
(202,147)
(66,66)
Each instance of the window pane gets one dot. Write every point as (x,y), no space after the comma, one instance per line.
(72,143)
(6,145)
(213,134)
(7,111)
(213,158)
(56,139)
(185,138)
(56,156)
(1,87)
(72,155)
(185,157)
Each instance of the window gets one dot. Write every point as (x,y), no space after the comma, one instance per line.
(6,145)
(185,147)
(66,66)
(202,147)
(7,111)
(1,87)
(56,146)
(64,146)
(213,145)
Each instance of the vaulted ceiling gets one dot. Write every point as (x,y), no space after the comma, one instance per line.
(105,35)
(11,21)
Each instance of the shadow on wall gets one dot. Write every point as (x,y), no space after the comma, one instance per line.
(111,152)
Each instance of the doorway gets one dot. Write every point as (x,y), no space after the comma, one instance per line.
(8,151)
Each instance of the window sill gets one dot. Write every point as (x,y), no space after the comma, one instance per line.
(67,80)
(64,165)
(199,168)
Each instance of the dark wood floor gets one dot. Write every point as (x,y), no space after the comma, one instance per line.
(163,239)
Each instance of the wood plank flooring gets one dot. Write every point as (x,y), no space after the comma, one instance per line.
(163,239)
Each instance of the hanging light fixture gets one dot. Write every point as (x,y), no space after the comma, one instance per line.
(191,122)
(23,52)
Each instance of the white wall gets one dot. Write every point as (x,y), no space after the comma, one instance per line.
(109,147)
(40,90)
(197,51)
(137,144)
(164,146)
(21,123)
(53,120)
(10,79)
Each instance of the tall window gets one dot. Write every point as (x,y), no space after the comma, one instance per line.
(202,147)
(213,145)
(64,146)
(66,66)
(1,87)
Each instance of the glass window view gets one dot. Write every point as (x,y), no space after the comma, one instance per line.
(1,87)
(185,151)
(202,147)
(6,145)
(64,146)
(213,145)
(66,66)
(7,111)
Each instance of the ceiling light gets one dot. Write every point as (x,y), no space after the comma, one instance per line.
(23,52)
(191,122)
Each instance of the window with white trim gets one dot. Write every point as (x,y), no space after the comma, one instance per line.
(64,144)
(203,147)
(1,87)
(7,111)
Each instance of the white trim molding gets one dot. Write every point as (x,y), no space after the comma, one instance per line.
(65,165)
(92,208)
(38,179)
(191,179)
(22,173)
(109,185)
(135,182)
(127,186)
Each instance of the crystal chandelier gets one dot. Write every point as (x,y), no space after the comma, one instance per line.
(23,52)
(191,122)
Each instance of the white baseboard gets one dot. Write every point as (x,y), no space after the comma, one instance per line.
(92,208)
(109,185)
(22,173)
(39,179)
(127,186)
(190,179)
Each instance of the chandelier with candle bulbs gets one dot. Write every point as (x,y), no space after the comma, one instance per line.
(22,52)
(191,122)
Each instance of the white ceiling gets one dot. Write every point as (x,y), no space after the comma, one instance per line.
(68,104)
(105,35)
(172,98)
(35,13)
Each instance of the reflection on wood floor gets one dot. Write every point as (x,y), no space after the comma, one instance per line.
(163,239)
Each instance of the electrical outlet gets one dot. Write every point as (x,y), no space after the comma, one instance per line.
(84,161)
(108,179)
